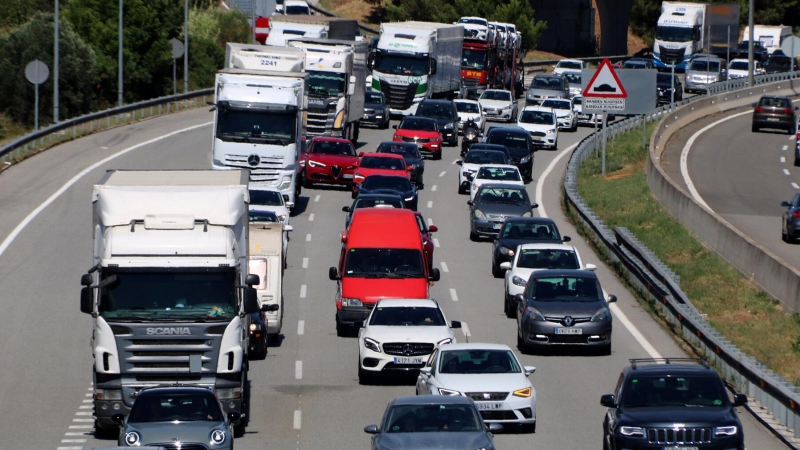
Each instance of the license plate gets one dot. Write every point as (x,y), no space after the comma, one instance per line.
(497,226)
(347,176)
(488,406)
(681,448)
(772,119)
(407,360)
(569,331)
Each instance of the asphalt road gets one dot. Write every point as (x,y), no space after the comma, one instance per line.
(305,394)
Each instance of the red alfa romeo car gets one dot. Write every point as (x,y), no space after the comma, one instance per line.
(422,131)
(329,160)
(379,164)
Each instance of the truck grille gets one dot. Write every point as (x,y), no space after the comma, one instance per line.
(320,122)
(266,171)
(470,82)
(482,396)
(155,356)
(417,348)
(671,436)
(669,54)
(399,97)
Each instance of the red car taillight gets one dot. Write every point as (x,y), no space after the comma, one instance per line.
(796,215)
(759,109)
(787,111)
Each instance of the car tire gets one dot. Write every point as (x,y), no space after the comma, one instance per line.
(498,272)
(341,329)
(473,236)
(793,129)
(511,307)
(105,433)
(755,129)
(606,350)
(521,345)
(385,126)
(437,155)
(555,146)
(306,182)
(461,190)
(784,236)
(364,377)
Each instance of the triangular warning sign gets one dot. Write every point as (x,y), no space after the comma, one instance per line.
(605,83)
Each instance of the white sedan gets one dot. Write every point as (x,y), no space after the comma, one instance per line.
(529,258)
(472,163)
(267,199)
(565,116)
(469,109)
(540,122)
(489,374)
(400,335)
(498,105)
(568,64)
(495,174)
(739,68)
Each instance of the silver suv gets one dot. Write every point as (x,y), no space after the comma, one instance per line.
(703,71)
(544,86)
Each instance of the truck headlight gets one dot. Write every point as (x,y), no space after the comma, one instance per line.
(285,182)
(108,394)
(351,302)
(518,281)
(228,393)
(132,439)
(372,344)
(632,431)
(217,437)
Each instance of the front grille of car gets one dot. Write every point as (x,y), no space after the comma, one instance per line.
(498,415)
(491,111)
(399,97)
(679,436)
(497,216)
(417,348)
(369,111)
(484,396)
(180,446)
(414,139)
(538,133)
(574,319)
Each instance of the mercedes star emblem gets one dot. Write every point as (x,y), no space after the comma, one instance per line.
(253,160)
(408,349)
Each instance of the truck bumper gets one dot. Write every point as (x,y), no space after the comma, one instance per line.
(104,409)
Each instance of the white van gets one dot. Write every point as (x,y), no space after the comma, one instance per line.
(770,35)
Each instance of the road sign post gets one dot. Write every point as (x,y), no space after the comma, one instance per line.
(178,49)
(604,92)
(36,72)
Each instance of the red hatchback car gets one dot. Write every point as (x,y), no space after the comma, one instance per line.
(329,160)
(379,164)
(422,131)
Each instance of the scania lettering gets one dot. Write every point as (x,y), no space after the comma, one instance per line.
(169,292)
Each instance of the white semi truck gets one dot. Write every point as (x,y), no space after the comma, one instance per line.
(169,291)
(268,242)
(337,72)
(258,124)
(416,60)
(287,27)
(684,29)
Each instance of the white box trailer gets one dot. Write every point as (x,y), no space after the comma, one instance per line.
(268,242)
(770,35)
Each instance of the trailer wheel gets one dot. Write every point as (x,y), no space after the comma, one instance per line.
(356,129)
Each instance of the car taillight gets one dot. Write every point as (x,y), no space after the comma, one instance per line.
(787,111)
(796,215)
(759,109)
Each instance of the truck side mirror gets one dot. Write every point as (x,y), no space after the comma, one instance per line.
(371,61)
(333,274)
(86,279)
(432,66)
(87,300)
(435,275)
(252,279)
(251,300)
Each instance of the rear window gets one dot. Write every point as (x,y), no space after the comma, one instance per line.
(399,148)
(384,263)
(515,143)
(775,102)
(377,162)
(531,231)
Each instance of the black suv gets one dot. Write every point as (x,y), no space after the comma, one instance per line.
(671,403)
(445,114)
(519,145)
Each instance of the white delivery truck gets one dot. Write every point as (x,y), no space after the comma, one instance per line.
(258,124)
(770,35)
(684,29)
(416,60)
(268,242)
(337,72)
(288,27)
(169,293)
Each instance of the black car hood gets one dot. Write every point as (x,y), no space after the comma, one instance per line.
(513,243)
(689,416)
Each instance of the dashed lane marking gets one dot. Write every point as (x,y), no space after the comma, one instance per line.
(430,221)
(305,263)
(455,161)
(80,427)
(298,417)
(794,185)
(430,203)
(465,330)
(435,242)
(444,267)
(442,174)
(783,160)
(308,237)
(301,327)
(311,217)
(785,147)
(453,295)
(433,189)
(786,172)
(316,199)
(303,291)
(298,370)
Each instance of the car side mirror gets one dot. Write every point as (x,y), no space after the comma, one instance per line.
(435,275)
(608,401)
(270,308)
(495,427)
(784,204)
(360,154)
(333,274)
(358,324)
(234,416)
(371,429)
(590,267)
(534,205)
(288,228)
(459,163)
(118,419)
(394,127)
(612,298)
(87,300)
(505,265)
(346,209)
(565,239)
(469,202)
(409,169)
(529,370)
(251,301)
(290,205)
(252,279)
(797,108)
(455,324)
(425,371)
(739,399)
(519,298)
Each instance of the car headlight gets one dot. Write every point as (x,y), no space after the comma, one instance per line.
(525,160)
(351,302)
(601,315)
(534,314)
(443,391)
(525,392)
(444,341)
(632,431)
(282,217)
(409,198)
(569,116)
(217,437)
(372,344)
(527,214)
(285,182)
(479,214)
(518,281)
(132,439)
(726,431)
(316,164)
(506,251)
(449,126)
(358,176)
(550,131)
(253,326)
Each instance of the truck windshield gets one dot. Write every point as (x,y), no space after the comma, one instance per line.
(256,126)
(384,263)
(674,34)
(401,65)
(328,84)
(473,59)
(182,294)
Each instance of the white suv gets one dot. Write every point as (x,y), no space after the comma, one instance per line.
(399,336)
(540,122)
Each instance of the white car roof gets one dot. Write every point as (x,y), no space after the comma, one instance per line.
(553,99)
(496,90)
(546,246)
(475,346)
(295,3)
(464,100)
(400,302)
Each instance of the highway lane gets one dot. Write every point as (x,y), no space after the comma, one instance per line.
(321,405)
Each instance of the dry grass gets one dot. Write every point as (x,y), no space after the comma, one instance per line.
(10,129)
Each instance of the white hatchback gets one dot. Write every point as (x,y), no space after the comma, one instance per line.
(540,122)
(400,335)
(469,109)
(268,199)
(472,163)
(495,174)
(498,105)
(565,116)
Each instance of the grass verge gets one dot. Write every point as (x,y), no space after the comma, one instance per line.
(734,306)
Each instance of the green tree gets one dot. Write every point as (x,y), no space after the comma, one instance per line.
(209,31)
(34,40)
(14,13)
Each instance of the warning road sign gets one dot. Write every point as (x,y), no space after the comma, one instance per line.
(605,83)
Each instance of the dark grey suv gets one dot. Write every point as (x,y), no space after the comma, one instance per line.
(546,86)
(445,114)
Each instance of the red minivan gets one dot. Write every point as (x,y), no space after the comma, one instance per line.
(382,257)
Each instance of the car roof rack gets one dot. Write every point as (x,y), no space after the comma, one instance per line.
(701,361)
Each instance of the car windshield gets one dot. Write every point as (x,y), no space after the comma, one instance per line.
(329,84)
(384,263)
(573,78)
(634,65)
(177,407)
(473,59)
(547,259)
(266,198)
(664,78)
(516,143)
(421,124)
(565,289)
(546,83)
(739,65)
(683,390)
(467,107)
(556,104)
(674,34)
(476,21)
(333,148)
(401,64)
(778,64)
(372,202)
(432,418)
(568,65)
(496,95)
(577,100)
(180,294)
(378,162)
(263,216)
(499,174)
(395,183)
(435,111)
(255,125)
(704,66)
(407,150)
(530,231)
(404,316)
(501,195)
(374,98)
(485,157)
(537,118)
(478,361)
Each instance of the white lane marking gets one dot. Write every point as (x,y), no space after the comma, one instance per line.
(433,189)
(540,183)
(430,203)
(69,448)
(297,419)
(455,161)
(685,157)
(83,413)
(308,237)
(86,407)
(316,199)
(305,263)
(435,242)
(785,147)
(298,370)
(465,329)
(794,185)
(634,331)
(27,220)
(80,427)
(442,174)
(104,148)
(311,217)
(786,171)
(301,327)
(72,441)
(430,221)
(444,267)
(303,291)
(83,420)
(87,401)
(453,295)
(783,160)
(83,433)
(792,137)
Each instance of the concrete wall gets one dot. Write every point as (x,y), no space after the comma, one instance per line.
(770,273)
(570,26)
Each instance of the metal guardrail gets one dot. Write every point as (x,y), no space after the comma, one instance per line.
(775,393)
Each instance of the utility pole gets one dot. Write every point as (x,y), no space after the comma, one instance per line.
(186,50)
(119,58)
(55,69)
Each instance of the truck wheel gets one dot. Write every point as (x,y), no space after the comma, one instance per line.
(356,129)
(306,182)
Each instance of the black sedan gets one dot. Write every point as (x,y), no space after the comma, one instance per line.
(790,223)
(372,201)
(519,144)
(664,85)
(445,114)
(493,204)
(391,184)
(376,111)
(522,230)
(410,153)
